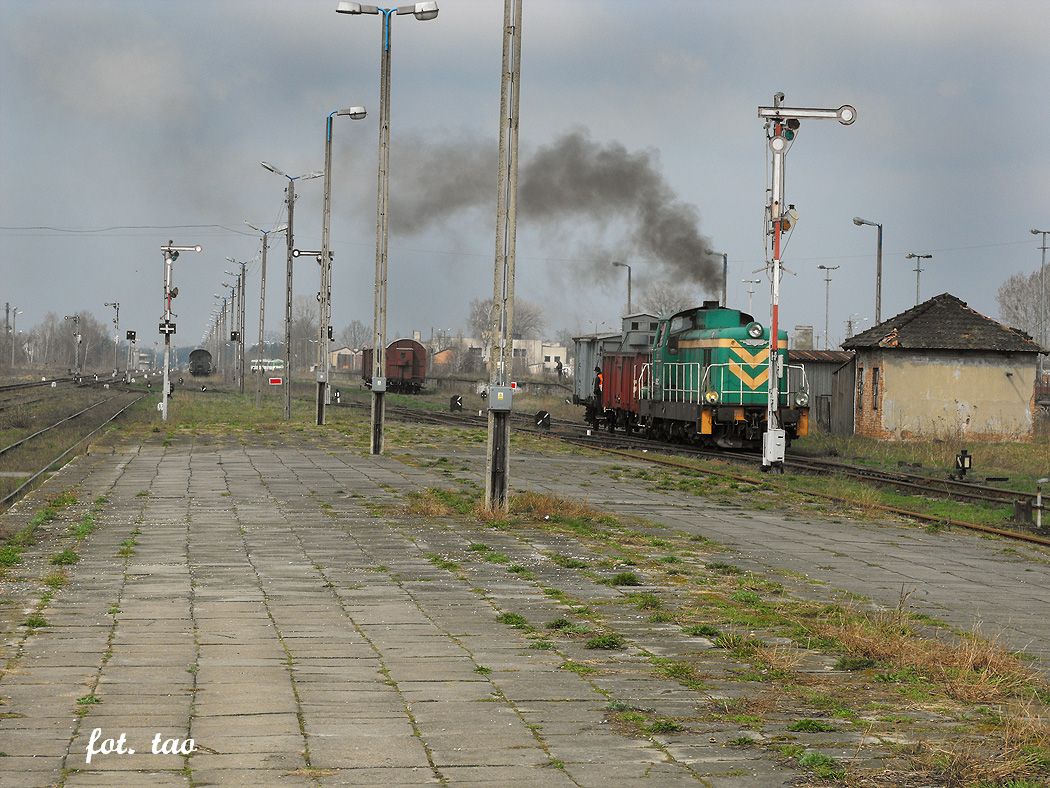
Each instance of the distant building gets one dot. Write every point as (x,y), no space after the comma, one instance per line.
(942,369)
(802,338)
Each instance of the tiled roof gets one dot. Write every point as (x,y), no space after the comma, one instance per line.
(826,356)
(943,323)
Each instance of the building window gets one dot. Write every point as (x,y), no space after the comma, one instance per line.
(874,388)
(860,387)
(519,352)
(653,326)
(547,359)
(557,359)
(634,325)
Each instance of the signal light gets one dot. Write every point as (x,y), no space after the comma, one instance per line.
(790,128)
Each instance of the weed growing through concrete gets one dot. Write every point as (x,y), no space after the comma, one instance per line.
(65,557)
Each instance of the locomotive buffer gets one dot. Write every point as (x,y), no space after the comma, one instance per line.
(782,125)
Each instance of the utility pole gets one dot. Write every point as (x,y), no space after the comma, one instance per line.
(167,328)
(76,343)
(14,335)
(290,203)
(238,321)
(501,325)
(725,280)
(750,292)
(782,124)
(289,193)
(1042,293)
(7,321)
(240,330)
(116,332)
(827,297)
(918,258)
(262,307)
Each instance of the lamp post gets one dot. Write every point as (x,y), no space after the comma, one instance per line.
(262,304)
(918,258)
(289,194)
(423,12)
(827,269)
(750,292)
(624,265)
(116,332)
(325,322)
(76,343)
(878,264)
(171,253)
(1042,289)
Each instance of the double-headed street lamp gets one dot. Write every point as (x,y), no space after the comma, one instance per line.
(878,264)
(918,258)
(422,12)
(624,265)
(289,194)
(325,294)
(262,304)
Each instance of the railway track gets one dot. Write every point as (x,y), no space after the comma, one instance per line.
(638,448)
(57,440)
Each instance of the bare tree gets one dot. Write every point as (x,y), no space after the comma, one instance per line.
(528,318)
(355,335)
(664,299)
(1018,300)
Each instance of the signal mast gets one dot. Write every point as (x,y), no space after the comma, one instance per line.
(782,124)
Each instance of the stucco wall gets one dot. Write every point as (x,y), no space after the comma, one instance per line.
(976,395)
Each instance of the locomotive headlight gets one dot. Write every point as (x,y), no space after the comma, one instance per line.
(802,400)
(711,397)
(754,330)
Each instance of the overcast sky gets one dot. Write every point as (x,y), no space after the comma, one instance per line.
(155,114)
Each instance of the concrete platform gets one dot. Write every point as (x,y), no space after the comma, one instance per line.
(260,600)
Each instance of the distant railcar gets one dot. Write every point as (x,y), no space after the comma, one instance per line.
(200,363)
(406,366)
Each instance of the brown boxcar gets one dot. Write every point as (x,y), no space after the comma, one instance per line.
(406,366)
(620,371)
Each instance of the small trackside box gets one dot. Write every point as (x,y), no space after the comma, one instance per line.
(500,397)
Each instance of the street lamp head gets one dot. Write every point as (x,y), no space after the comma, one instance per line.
(1040,232)
(355,8)
(858,221)
(354,113)
(266,165)
(425,11)
(621,265)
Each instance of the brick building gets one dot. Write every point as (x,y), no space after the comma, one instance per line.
(942,369)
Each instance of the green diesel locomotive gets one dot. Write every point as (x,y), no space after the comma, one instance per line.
(709,380)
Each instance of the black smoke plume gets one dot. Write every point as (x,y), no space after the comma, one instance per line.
(574,184)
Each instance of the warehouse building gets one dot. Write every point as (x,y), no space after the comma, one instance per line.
(943,370)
